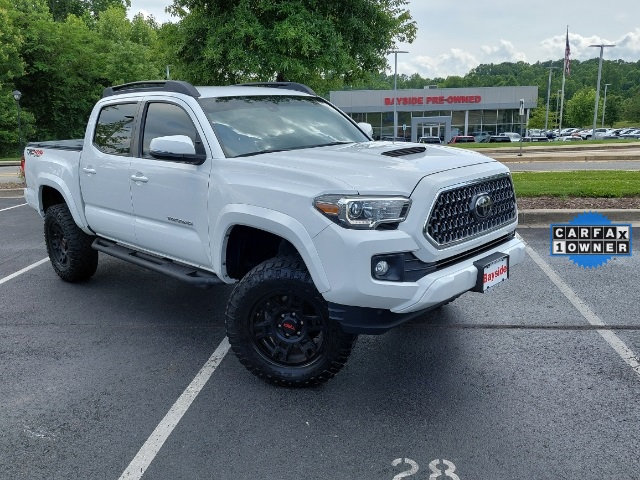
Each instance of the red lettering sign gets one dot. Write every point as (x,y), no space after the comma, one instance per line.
(451,99)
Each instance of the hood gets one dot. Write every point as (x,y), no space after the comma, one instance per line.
(370,167)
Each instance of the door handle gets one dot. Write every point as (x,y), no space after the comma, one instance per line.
(89,170)
(139,178)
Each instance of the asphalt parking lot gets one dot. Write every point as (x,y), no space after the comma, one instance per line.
(538,379)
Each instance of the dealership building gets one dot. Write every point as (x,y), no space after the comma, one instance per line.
(433,111)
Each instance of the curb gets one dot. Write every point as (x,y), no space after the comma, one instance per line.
(549,216)
(10,164)
(11,192)
(573,158)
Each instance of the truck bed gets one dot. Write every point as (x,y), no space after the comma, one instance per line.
(73,144)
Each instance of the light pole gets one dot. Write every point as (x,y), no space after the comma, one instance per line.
(17,95)
(557,109)
(595,112)
(604,103)
(546,118)
(395,90)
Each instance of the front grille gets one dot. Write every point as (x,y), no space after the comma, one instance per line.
(452,219)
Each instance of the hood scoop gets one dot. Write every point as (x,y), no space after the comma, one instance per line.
(401,152)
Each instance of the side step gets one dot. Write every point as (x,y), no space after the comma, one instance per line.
(186,273)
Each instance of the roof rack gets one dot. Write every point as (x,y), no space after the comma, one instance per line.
(176,86)
(299,87)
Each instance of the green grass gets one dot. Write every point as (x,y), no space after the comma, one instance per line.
(611,184)
(10,159)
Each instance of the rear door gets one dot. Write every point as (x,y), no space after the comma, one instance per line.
(170,198)
(104,172)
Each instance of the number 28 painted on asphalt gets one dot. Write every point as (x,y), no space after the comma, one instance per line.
(436,473)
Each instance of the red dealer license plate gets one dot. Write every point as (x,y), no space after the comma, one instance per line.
(492,270)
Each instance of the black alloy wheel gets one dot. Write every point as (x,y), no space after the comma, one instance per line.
(288,329)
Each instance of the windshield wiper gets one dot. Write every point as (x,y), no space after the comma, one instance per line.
(329,144)
(272,150)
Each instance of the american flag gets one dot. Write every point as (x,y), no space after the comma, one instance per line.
(567,52)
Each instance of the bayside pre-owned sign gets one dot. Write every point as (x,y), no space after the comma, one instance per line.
(441,100)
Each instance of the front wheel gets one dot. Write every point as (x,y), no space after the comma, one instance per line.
(69,248)
(279,328)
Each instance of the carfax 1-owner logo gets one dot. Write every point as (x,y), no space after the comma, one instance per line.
(591,239)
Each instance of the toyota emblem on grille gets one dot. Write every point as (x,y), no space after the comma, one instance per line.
(481,205)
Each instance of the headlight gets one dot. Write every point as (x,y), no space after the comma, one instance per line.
(363,212)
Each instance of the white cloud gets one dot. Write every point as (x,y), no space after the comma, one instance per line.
(503,52)
(454,62)
(627,47)
(459,62)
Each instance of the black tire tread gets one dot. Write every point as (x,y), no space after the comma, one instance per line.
(83,260)
(284,268)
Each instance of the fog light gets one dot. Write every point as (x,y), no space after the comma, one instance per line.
(382,268)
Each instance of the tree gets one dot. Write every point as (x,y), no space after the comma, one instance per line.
(580,108)
(538,116)
(11,68)
(126,47)
(632,108)
(323,43)
(69,63)
(613,110)
(61,9)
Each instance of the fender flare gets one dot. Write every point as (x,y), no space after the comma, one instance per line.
(270,221)
(48,180)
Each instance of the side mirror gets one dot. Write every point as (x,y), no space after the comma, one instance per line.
(176,148)
(366,128)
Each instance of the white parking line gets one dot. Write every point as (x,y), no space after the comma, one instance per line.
(610,337)
(26,269)
(154,443)
(15,206)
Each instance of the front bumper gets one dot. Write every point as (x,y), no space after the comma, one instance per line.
(362,304)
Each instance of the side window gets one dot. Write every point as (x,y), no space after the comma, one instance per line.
(113,130)
(165,119)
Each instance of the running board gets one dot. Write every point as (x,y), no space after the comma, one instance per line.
(191,275)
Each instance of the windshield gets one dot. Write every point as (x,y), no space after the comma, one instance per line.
(251,125)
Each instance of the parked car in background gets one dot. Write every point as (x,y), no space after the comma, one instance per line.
(568,138)
(389,138)
(588,133)
(481,137)
(539,138)
(498,139)
(631,134)
(514,137)
(462,139)
(429,140)
(568,131)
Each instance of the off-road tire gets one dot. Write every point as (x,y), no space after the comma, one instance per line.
(69,248)
(279,328)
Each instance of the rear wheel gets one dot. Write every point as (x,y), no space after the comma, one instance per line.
(69,248)
(279,328)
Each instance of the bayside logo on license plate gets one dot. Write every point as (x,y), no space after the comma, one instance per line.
(492,270)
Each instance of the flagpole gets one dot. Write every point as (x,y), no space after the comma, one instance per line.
(564,75)
(564,72)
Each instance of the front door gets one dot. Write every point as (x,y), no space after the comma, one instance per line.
(170,198)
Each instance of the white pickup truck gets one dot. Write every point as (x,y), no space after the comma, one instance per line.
(326,233)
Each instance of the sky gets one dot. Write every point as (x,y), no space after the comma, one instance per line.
(454,38)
